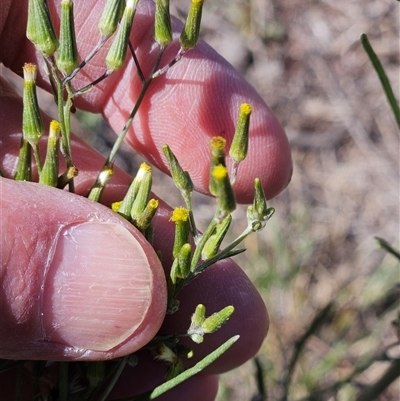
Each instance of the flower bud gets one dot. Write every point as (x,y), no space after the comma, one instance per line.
(49,173)
(162,23)
(126,205)
(116,55)
(240,143)
(180,216)
(181,265)
(191,30)
(32,124)
(145,218)
(223,189)
(23,172)
(195,331)
(212,245)
(39,29)
(216,320)
(181,178)
(97,190)
(217,145)
(67,53)
(110,17)
(143,192)
(259,213)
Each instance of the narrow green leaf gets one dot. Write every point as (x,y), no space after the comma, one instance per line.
(382,77)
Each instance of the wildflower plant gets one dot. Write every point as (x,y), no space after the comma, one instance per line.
(193,252)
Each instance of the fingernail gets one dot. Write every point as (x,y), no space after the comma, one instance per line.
(98,287)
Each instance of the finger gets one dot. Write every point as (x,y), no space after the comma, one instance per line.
(218,287)
(78,282)
(197,99)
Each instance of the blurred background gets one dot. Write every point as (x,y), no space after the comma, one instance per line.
(331,291)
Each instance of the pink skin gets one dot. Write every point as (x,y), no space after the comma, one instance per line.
(196,100)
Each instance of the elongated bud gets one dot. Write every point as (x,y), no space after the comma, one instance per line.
(180,216)
(126,205)
(97,190)
(145,218)
(67,54)
(259,213)
(191,30)
(195,332)
(214,242)
(162,23)
(39,29)
(142,196)
(217,144)
(116,55)
(216,320)
(224,192)
(49,174)
(240,143)
(181,178)
(32,124)
(23,172)
(181,265)
(112,13)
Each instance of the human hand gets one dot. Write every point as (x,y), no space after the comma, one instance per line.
(41,264)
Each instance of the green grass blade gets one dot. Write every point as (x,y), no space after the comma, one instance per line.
(382,77)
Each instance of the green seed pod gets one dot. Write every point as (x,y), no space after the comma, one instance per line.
(39,29)
(49,173)
(162,23)
(67,54)
(112,13)
(116,55)
(191,30)
(32,124)
(240,143)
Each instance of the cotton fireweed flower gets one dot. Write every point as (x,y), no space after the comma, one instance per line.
(39,29)
(162,23)
(224,192)
(32,124)
(191,30)
(116,55)
(110,17)
(67,53)
(180,216)
(49,173)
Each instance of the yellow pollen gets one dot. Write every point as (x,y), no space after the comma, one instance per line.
(220,172)
(217,142)
(245,108)
(179,215)
(115,206)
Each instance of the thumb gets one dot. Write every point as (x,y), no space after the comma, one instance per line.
(77,281)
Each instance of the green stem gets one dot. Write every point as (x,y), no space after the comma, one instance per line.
(117,144)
